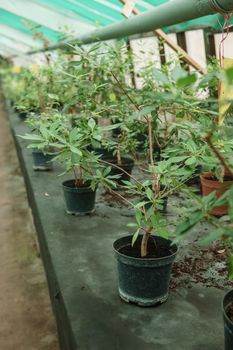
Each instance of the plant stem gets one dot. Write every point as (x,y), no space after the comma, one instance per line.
(123,198)
(124,171)
(125,92)
(119,160)
(75,177)
(218,155)
(144,244)
(81,175)
(155,186)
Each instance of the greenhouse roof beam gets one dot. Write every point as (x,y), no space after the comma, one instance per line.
(170,13)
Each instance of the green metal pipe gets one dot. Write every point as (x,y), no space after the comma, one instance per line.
(173,12)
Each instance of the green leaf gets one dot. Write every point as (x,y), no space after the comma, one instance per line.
(140,204)
(189,80)
(149,194)
(178,73)
(31,137)
(138,217)
(215,234)
(53,97)
(177,159)
(191,161)
(73,135)
(135,237)
(155,219)
(132,224)
(191,221)
(112,97)
(91,123)
(75,150)
(161,77)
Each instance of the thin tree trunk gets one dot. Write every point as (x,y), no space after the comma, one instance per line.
(75,177)
(144,244)
(119,160)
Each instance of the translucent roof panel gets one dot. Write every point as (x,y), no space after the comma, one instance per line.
(35,20)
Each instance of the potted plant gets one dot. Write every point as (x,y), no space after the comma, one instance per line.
(72,144)
(94,73)
(218,200)
(42,152)
(144,261)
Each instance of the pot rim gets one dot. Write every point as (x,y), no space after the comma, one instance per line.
(225,306)
(206,177)
(127,160)
(145,259)
(80,187)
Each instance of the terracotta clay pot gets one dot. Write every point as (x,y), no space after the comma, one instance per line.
(209,185)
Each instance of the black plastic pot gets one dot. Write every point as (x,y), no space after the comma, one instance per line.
(22,115)
(157,153)
(228,324)
(79,200)
(141,138)
(196,179)
(144,281)
(41,161)
(127,165)
(117,131)
(103,152)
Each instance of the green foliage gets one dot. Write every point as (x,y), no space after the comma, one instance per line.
(90,87)
(72,141)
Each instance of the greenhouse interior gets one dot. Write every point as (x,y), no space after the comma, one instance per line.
(116,151)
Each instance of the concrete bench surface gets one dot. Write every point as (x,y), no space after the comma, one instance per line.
(81,271)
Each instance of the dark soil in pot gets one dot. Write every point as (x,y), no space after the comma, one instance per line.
(41,161)
(144,281)
(79,200)
(127,165)
(228,320)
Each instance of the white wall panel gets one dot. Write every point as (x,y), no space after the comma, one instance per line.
(171,55)
(145,51)
(228,45)
(196,46)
